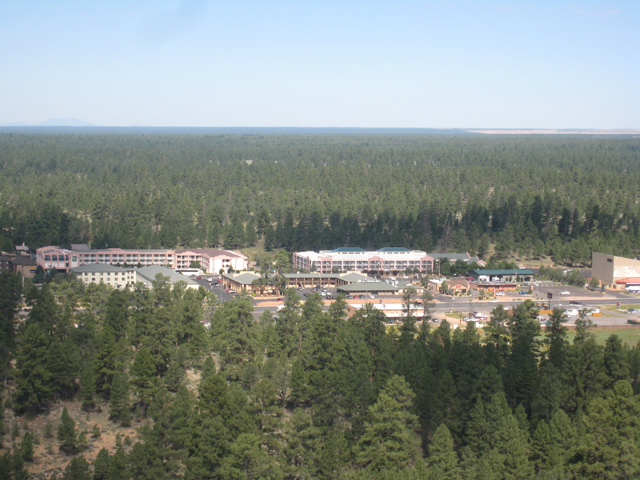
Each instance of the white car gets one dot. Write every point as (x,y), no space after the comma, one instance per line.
(566,292)
(495,300)
(500,294)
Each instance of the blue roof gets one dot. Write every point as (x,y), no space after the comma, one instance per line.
(393,249)
(347,249)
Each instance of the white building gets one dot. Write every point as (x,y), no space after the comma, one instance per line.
(389,260)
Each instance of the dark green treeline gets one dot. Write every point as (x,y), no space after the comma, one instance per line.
(560,196)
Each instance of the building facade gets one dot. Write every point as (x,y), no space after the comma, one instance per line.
(121,278)
(610,268)
(116,277)
(389,260)
(211,260)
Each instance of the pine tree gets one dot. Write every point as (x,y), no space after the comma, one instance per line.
(118,465)
(105,362)
(175,376)
(119,406)
(9,301)
(442,460)
(77,469)
(389,440)
(214,395)
(615,362)
(33,379)
(143,378)
(67,433)
(88,388)
(610,445)
(26,447)
(101,465)
(298,384)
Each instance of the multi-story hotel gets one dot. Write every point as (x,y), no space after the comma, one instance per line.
(210,259)
(387,260)
(121,278)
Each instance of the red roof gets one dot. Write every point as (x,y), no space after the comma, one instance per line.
(629,280)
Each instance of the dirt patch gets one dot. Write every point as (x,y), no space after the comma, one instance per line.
(48,459)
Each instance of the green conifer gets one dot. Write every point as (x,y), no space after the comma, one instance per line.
(77,469)
(26,447)
(101,465)
(119,402)
(67,436)
(442,460)
(389,441)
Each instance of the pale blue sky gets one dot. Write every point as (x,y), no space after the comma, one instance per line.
(348,63)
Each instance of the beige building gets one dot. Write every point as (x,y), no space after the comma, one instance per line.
(121,278)
(116,277)
(609,268)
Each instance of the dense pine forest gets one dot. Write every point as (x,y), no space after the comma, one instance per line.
(311,395)
(528,195)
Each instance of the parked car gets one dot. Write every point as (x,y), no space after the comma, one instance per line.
(634,311)
(573,302)
(500,294)
(565,292)
(522,292)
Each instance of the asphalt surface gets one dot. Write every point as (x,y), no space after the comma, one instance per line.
(445,303)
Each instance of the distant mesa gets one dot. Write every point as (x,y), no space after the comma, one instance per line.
(65,122)
(52,122)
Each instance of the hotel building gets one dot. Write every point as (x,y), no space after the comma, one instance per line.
(210,259)
(388,260)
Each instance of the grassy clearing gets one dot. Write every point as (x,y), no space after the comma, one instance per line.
(629,336)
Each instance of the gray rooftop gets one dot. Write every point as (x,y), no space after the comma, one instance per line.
(149,274)
(393,249)
(368,287)
(451,256)
(354,277)
(348,250)
(242,278)
(99,267)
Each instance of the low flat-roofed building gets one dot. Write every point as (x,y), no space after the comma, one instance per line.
(374,288)
(454,257)
(244,281)
(509,275)
(494,286)
(116,277)
(148,274)
(393,311)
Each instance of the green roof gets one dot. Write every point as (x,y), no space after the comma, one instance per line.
(393,249)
